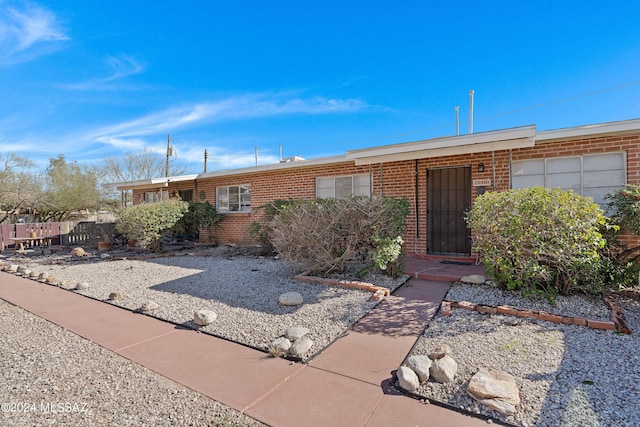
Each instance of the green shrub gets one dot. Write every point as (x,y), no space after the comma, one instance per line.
(199,216)
(145,223)
(539,238)
(621,267)
(334,235)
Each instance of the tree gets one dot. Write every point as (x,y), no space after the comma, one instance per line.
(19,189)
(139,165)
(69,188)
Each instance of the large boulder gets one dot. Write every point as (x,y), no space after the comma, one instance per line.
(444,370)
(495,389)
(420,365)
(407,379)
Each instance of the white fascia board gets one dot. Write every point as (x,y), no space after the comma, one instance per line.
(588,130)
(455,145)
(151,183)
(276,167)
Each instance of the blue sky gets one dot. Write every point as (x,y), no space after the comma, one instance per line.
(93,79)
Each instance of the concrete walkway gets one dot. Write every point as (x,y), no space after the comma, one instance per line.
(346,385)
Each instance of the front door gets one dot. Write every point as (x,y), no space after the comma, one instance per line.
(448,198)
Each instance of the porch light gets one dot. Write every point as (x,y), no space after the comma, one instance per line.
(480,167)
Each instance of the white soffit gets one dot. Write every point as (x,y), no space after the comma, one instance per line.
(151,183)
(589,130)
(520,137)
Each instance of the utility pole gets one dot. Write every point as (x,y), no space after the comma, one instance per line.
(166,167)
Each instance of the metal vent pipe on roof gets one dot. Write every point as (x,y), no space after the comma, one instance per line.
(471,111)
(457,108)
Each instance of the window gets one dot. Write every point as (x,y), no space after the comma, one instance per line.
(156,196)
(343,186)
(186,195)
(593,175)
(235,198)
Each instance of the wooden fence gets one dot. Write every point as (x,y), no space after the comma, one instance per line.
(69,233)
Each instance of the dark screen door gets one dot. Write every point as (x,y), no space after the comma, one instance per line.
(448,198)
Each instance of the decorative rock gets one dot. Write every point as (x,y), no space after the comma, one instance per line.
(444,370)
(296,333)
(33,275)
(105,256)
(149,306)
(408,379)
(82,286)
(78,252)
(115,296)
(301,346)
(51,280)
(420,365)
(42,276)
(26,273)
(279,346)
(290,299)
(204,317)
(13,268)
(474,279)
(440,352)
(495,389)
(22,269)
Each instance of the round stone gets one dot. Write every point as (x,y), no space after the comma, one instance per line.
(204,317)
(290,299)
(82,286)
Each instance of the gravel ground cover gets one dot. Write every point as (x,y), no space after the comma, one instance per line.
(51,376)
(567,375)
(242,290)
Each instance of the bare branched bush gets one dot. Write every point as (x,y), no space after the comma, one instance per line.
(334,235)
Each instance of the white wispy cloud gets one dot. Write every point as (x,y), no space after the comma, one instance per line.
(27,31)
(122,66)
(232,108)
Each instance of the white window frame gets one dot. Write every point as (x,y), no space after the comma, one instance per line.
(360,185)
(225,199)
(543,176)
(155,196)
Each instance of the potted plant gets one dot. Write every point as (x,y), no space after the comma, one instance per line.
(105,243)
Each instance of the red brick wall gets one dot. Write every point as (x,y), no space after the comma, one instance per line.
(397,179)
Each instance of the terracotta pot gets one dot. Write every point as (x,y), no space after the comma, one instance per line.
(104,246)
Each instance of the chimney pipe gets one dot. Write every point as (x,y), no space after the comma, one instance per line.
(457,108)
(471,111)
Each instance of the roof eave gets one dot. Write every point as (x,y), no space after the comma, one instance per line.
(520,137)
